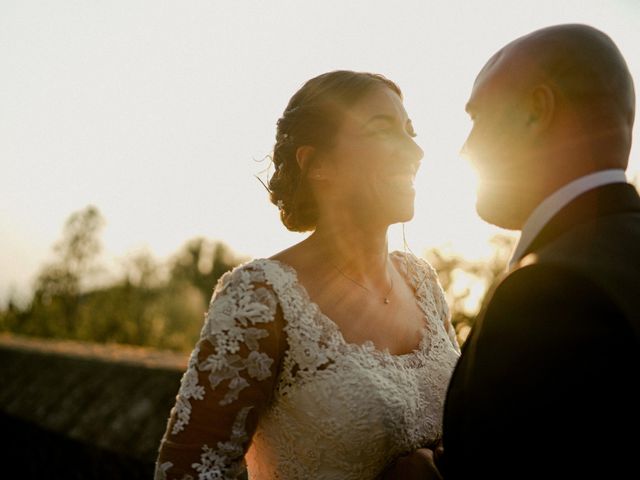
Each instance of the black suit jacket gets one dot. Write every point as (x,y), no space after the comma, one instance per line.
(548,384)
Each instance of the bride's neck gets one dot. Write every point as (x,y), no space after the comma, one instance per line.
(362,252)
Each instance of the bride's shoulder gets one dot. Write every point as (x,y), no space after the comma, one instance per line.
(266,272)
(411,264)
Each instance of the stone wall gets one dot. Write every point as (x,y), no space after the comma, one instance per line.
(83,411)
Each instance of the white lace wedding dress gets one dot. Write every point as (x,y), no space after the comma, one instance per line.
(273,381)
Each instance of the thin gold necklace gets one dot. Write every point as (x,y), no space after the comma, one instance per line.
(385,299)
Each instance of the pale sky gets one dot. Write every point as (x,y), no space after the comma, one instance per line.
(155,111)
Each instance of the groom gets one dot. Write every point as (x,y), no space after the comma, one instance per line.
(548,384)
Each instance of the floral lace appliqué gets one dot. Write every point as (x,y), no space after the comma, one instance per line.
(234,309)
(163,468)
(189,389)
(335,410)
(227,460)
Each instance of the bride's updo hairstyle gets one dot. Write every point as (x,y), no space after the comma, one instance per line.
(313,117)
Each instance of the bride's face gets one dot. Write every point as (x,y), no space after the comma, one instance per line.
(370,168)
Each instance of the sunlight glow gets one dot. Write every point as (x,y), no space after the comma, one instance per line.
(100,105)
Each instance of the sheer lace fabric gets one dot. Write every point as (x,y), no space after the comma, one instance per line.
(273,381)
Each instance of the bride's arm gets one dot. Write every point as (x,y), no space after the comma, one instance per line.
(230,379)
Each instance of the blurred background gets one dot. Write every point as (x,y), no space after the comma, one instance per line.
(132,132)
(131,136)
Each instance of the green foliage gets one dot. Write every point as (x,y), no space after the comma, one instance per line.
(145,307)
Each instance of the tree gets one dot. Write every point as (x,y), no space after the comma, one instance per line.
(76,254)
(60,283)
(201,263)
(466,282)
(155,304)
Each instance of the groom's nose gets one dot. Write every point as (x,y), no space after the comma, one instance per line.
(465,152)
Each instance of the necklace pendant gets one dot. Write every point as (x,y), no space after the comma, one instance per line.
(386,301)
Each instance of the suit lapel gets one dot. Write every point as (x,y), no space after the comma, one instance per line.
(602,201)
(607,200)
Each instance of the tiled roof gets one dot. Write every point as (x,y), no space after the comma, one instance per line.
(113,397)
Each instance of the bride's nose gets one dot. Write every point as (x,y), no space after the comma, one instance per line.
(413,149)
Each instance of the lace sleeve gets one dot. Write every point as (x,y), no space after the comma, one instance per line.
(230,378)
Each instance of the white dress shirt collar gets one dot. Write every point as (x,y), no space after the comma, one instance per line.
(556,201)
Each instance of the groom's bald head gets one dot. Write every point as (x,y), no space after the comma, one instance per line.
(549,107)
(584,64)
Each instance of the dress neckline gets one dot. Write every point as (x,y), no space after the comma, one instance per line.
(368,346)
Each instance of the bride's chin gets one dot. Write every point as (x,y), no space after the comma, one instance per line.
(384,209)
(405,218)
(401,213)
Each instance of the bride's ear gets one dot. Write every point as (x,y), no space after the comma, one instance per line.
(310,163)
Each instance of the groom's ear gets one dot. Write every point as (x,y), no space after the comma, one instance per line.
(309,163)
(542,107)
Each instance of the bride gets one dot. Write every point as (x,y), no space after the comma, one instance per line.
(332,358)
